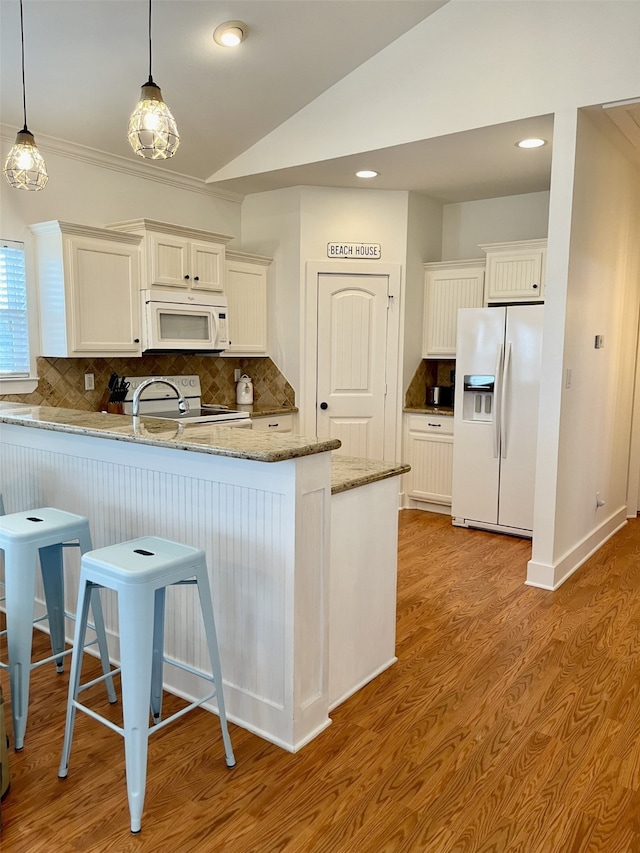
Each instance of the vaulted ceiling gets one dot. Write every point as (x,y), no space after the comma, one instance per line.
(86,60)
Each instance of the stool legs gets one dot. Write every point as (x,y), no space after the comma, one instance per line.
(101,634)
(214,656)
(20,579)
(84,599)
(136,616)
(158,651)
(53,585)
(20,584)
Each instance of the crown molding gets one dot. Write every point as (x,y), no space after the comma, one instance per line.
(116,163)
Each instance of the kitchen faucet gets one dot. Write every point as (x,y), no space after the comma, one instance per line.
(183,404)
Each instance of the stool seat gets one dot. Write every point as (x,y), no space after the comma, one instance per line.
(148,560)
(24,537)
(139,571)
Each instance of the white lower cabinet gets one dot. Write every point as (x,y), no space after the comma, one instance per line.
(273,423)
(428,448)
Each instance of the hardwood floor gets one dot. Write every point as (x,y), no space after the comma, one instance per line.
(510,724)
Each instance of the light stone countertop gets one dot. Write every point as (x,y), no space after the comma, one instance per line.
(347,472)
(445,411)
(200,438)
(258,410)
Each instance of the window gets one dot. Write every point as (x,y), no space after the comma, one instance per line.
(14,331)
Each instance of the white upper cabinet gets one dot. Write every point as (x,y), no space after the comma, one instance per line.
(174,256)
(89,291)
(246,279)
(449,285)
(515,271)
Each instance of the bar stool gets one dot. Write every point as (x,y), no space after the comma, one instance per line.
(139,571)
(25,535)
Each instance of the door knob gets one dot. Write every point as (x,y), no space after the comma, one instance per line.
(324,406)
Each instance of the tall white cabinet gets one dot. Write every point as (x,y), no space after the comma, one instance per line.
(448,286)
(89,291)
(246,285)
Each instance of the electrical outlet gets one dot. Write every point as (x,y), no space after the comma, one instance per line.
(236,375)
(89,382)
(567,381)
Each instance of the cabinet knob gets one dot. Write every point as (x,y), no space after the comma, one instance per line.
(324,406)
(186,278)
(534,286)
(197,278)
(136,340)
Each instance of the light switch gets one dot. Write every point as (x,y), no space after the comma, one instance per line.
(599,341)
(89,382)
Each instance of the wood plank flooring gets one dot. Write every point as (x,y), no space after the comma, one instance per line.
(510,724)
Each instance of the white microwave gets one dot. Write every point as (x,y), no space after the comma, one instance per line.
(184,321)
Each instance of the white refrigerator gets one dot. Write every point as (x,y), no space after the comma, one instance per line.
(496,417)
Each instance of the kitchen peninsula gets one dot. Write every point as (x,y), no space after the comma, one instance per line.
(303,582)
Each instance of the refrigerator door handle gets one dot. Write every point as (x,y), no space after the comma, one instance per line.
(497,395)
(504,404)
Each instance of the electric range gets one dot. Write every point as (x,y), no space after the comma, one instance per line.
(160,401)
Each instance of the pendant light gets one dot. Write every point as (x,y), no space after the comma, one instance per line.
(152,133)
(24,167)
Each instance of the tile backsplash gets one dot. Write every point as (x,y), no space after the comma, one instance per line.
(429,372)
(62,379)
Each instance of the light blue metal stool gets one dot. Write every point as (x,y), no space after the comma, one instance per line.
(24,536)
(139,571)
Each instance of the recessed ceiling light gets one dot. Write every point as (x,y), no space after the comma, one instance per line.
(531,143)
(366,173)
(230,34)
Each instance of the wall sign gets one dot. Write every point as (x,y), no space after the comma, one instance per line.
(357,251)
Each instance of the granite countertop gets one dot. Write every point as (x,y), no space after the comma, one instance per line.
(445,411)
(349,472)
(258,410)
(200,438)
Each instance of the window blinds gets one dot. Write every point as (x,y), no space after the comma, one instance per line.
(14,332)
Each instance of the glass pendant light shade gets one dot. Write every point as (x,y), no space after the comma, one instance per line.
(153,133)
(24,167)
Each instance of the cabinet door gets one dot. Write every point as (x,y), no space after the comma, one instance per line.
(517,276)
(246,290)
(429,451)
(103,298)
(168,261)
(206,265)
(445,292)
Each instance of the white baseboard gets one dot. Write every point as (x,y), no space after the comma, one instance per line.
(547,576)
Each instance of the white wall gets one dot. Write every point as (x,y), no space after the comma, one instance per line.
(585,441)
(468,224)
(91,194)
(271,226)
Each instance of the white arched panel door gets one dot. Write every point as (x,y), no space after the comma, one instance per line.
(352,344)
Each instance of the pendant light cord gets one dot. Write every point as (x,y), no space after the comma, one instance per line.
(150,77)
(24,89)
